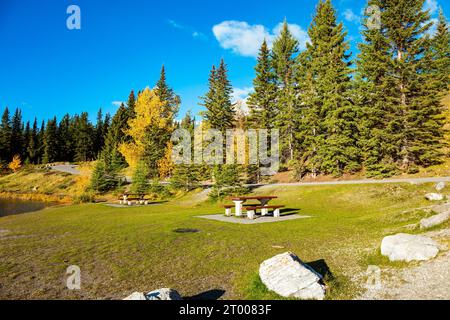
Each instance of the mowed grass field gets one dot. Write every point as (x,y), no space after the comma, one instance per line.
(122,250)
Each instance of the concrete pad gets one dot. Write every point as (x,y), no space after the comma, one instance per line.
(258,219)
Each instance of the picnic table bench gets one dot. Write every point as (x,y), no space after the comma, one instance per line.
(251,209)
(128,198)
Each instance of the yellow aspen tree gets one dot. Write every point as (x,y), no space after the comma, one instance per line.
(149,110)
(16,163)
(166,165)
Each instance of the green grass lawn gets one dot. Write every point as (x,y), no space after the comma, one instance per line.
(121,250)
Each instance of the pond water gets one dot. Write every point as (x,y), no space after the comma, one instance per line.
(12,206)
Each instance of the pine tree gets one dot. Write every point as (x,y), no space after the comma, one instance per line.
(26,139)
(284,51)
(167,95)
(408,131)
(140,183)
(32,147)
(17,138)
(115,136)
(84,142)
(185,177)
(99,133)
(65,139)
(262,101)
(441,50)
(5,137)
(327,109)
(50,142)
(219,112)
(131,104)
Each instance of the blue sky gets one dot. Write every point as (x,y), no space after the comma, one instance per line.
(47,69)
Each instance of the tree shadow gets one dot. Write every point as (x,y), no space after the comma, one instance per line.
(214,294)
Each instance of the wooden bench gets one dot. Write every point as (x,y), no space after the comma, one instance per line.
(251,210)
(228,209)
(129,198)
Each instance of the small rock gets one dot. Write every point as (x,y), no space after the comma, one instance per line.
(434,220)
(408,247)
(441,208)
(434,196)
(439,186)
(288,276)
(136,296)
(163,294)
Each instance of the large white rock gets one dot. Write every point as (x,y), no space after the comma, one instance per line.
(136,296)
(434,220)
(288,276)
(434,196)
(439,186)
(163,294)
(408,247)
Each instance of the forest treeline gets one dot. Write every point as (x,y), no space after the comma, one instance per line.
(380,113)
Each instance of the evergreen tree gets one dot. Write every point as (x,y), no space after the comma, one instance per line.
(327,109)
(185,177)
(65,139)
(5,137)
(140,183)
(26,139)
(115,136)
(32,147)
(403,89)
(99,133)
(50,142)
(284,51)
(262,101)
(441,49)
(17,138)
(131,104)
(84,132)
(167,95)
(219,112)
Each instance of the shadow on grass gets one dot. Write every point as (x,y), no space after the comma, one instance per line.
(214,294)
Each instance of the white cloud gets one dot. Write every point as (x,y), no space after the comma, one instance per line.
(245,39)
(432,30)
(195,34)
(431,5)
(350,16)
(117,103)
(241,93)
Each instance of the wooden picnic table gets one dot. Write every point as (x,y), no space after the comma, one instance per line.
(239,201)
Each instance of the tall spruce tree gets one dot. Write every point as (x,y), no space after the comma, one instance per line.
(403,86)
(50,141)
(32,146)
(284,51)
(167,95)
(65,139)
(84,131)
(219,112)
(262,101)
(5,137)
(328,120)
(17,138)
(441,50)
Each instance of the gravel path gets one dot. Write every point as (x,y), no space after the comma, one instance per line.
(430,280)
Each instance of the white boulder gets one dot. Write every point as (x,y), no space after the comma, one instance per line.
(439,186)
(136,296)
(434,220)
(434,196)
(163,294)
(408,247)
(288,276)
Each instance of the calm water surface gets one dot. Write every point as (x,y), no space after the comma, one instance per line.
(10,207)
